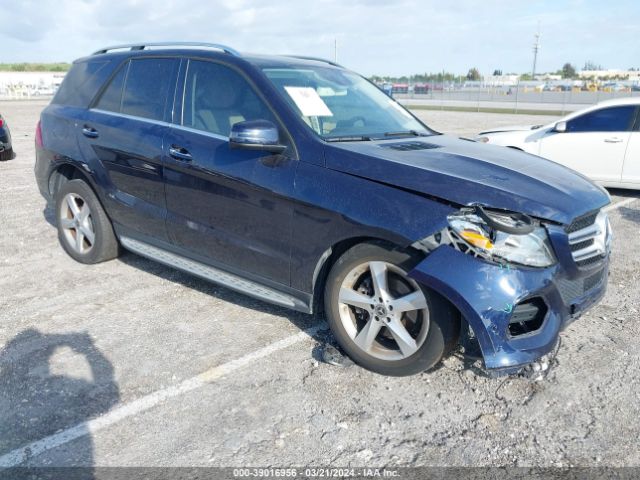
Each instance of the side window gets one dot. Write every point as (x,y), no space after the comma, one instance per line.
(111,99)
(147,87)
(613,119)
(216,97)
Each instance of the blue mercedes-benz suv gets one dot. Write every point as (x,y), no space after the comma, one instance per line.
(299,182)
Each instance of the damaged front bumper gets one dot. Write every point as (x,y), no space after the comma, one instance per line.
(516,314)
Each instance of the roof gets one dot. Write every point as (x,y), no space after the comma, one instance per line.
(211,49)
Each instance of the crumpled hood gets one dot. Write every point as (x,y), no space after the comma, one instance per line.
(467,173)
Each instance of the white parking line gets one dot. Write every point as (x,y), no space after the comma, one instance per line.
(620,204)
(20,455)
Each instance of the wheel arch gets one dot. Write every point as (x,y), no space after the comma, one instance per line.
(67,171)
(332,254)
(330,257)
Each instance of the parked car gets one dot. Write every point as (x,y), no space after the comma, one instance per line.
(299,182)
(421,88)
(43,91)
(601,142)
(400,88)
(6,147)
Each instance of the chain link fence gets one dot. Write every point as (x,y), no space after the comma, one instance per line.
(521,96)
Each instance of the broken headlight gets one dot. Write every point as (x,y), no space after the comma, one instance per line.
(501,236)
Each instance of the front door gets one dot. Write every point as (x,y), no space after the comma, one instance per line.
(228,206)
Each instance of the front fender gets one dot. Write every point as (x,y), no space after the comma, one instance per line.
(486,294)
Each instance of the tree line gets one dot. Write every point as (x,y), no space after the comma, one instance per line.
(568,71)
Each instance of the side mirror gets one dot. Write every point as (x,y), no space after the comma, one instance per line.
(560,127)
(256,135)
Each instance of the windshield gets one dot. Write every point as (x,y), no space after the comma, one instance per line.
(340,105)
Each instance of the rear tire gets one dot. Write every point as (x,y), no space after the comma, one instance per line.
(384,320)
(6,154)
(84,229)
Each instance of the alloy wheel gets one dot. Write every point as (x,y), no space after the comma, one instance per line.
(76,223)
(385,312)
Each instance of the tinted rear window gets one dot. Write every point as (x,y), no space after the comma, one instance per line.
(147,87)
(82,82)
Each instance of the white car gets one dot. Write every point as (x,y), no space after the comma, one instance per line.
(601,142)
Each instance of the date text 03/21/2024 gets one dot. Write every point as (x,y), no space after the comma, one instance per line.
(314,473)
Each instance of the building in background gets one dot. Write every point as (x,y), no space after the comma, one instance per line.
(631,75)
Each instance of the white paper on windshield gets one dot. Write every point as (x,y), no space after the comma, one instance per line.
(309,102)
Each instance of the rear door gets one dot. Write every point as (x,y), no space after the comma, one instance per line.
(231,207)
(631,167)
(124,131)
(594,143)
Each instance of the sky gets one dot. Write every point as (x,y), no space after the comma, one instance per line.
(383,37)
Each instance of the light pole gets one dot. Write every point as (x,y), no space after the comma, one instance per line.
(536,47)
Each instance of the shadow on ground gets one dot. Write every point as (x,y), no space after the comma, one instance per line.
(631,214)
(39,398)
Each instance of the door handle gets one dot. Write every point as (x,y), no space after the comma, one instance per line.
(613,140)
(89,132)
(180,153)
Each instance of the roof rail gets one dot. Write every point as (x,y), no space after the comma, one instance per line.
(317,59)
(142,46)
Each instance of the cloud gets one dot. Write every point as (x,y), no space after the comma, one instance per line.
(374,36)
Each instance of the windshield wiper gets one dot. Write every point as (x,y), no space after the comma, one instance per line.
(405,133)
(349,138)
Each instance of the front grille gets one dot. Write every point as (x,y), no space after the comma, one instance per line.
(589,238)
(590,261)
(580,245)
(570,290)
(593,281)
(408,146)
(582,222)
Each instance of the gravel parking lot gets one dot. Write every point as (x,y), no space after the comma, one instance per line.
(130,363)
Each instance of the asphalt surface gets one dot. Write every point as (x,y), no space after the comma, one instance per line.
(130,363)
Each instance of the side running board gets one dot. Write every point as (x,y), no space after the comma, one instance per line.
(212,274)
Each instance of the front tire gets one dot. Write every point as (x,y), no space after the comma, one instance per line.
(6,154)
(84,230)
(383,319)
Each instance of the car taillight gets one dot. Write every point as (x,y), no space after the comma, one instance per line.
(1,122)
(38,135)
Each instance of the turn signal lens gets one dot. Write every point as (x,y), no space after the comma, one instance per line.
(476,239)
